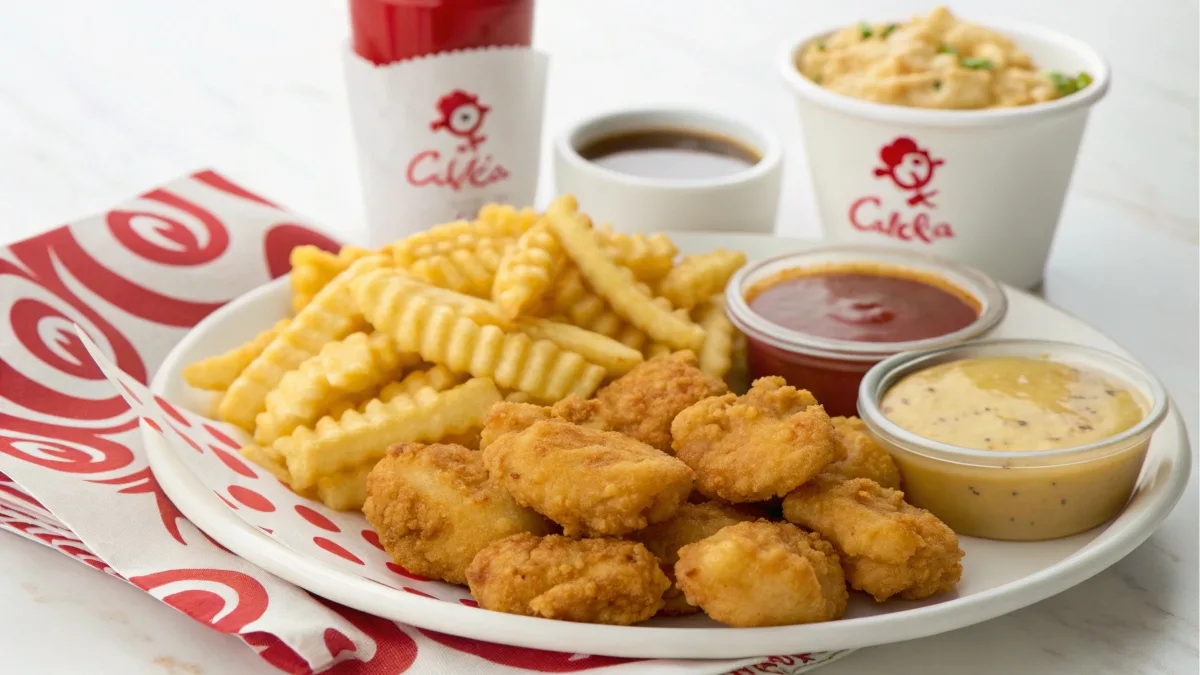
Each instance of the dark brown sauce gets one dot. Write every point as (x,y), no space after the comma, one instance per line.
(670,153)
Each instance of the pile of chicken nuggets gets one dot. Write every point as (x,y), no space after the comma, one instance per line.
(662,495)
(541,409)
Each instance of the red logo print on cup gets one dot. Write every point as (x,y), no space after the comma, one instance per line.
(911,169)
(461,115)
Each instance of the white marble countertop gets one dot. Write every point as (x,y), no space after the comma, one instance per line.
(99,101)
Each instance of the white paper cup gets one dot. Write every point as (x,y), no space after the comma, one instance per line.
(746,201)
(999,176)
(440,136)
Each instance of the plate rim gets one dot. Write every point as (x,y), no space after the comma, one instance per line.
(210,515)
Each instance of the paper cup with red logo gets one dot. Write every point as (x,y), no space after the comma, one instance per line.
(446,102)
(984,187)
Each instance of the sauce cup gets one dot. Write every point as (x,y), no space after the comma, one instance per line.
(1017,495)
(832,368)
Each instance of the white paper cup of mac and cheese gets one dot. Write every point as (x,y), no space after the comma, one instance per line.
(981,186)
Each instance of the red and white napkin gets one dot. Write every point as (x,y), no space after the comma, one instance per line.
(74,474)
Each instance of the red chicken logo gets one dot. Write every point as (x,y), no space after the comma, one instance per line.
(910,168)
(462,115)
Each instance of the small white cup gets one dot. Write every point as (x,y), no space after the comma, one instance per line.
(745,201)
(992,182)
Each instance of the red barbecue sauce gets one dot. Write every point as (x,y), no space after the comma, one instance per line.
(856,303)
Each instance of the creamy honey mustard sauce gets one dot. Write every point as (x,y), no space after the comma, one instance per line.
(1017,404)
(1011,404)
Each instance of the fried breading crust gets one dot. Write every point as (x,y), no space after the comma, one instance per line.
(643,402)
(757,446)
(434,509)
(591,482)
(506,418)
(888,547)
(763,574)
(588,580)
(864,457)
(691,523)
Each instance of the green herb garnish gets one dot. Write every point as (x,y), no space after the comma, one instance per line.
(1069,85)
(976,64)
(946,49)
(888,30)
(865,30)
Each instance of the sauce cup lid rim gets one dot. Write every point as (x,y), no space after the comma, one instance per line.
(884,373)
(990,295)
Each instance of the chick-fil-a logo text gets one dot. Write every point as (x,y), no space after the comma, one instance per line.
(461,115)
(911,170)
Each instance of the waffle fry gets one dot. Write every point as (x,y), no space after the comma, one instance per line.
(466,271)
(355,439)
(650,257)
(495,222)
(526,271)
(606,279)
(716,356)
(342,368)
(441,335)
(605,352)
(313,267)
(216,373)
(327,318)
(698,277)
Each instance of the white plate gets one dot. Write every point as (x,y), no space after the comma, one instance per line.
(998,577)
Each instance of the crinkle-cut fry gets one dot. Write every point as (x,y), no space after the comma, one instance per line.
(437,378)
(526,271)
(441,335)
(356,438)
(463,242)
(606,279)
(358,362)
(697,277)
(716,356)
(216,373)
(517,397)
(330,316)
(603,351)
(650,257)
(479,310)
(313,267)
(494,222)
(465,271)
(738,377)
(268,458)
(574,300)
(345,490)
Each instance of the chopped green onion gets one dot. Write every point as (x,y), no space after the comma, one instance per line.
(1068,85)
(976,64)
(937,84)
(946,49)
(865,30)
(891,28)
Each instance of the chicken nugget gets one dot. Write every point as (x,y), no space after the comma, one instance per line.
(434,509)
(643,402)
(591,482)
(691,523)
(763,574)
(864,457)
(506,418)
(888,547)
(757,446)
(587,580)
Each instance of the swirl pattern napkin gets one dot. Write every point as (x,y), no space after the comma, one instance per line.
(74,474)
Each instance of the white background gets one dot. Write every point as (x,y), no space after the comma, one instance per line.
(101,100)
